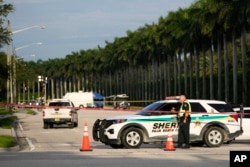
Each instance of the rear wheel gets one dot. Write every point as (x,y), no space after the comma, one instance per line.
(214,137)
(72,124)
(45,125)
(132,138)
(76,124)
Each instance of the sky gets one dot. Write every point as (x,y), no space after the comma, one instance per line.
(74,25)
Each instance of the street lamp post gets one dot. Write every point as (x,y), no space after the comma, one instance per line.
(10,79)
(43,80)
(27,28)
(14,67)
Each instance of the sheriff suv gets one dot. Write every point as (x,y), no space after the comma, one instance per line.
(212,123)
(60,111)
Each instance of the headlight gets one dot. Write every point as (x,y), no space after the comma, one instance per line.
(118,121)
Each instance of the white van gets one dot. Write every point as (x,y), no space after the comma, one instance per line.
(81,99)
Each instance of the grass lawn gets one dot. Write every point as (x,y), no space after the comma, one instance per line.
(7,141)
(3,111)
(7,123)
(30,111)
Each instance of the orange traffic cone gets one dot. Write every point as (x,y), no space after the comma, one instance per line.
(85,139)
(170,142)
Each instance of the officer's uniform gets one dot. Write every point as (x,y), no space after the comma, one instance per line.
(183,134)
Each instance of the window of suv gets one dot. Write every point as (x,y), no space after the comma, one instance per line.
(222,107)
(154,108)
(161,107)
(197,107)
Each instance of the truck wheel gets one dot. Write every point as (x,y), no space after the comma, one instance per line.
(214,137)
(132,138)
(45,125)
(51,125)
(72,124)
(76,124)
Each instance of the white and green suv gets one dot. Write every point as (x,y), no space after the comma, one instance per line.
(212,123)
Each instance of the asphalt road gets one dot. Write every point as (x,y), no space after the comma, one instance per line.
(61,145)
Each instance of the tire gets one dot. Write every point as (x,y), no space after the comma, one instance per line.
(132,138)
(51,125)
(72,124)
(76,124)
(214,137)
(45,125)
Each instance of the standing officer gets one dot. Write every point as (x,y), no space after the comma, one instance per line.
(184,120)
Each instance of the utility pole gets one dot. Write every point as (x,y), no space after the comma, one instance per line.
(9,79)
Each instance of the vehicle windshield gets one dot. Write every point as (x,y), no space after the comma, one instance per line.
(59,104)
(157,109)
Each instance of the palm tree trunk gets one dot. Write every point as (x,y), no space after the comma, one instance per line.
(179,73)
(235,69)
(61,87)
(226,67)
(197,74)
(65,85)
(52,89)
(244,70)
(167,73)
(203,73)
(219,66)
(74,83)
(211,69)
(191,75)
(185,74)
(175,74)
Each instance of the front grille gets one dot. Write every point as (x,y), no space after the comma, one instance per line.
(99,129)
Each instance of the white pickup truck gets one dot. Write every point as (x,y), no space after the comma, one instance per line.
(60,111)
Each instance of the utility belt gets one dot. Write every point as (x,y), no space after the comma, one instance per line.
(180,119)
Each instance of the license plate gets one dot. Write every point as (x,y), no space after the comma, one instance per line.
(57,119)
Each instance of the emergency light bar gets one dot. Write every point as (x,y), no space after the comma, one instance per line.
(172,97)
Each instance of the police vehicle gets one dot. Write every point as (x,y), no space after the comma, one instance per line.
(212,123)
(244,113)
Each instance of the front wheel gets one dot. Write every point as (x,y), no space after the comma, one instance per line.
(214,137)
(132,138)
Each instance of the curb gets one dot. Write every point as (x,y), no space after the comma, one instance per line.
(22,141)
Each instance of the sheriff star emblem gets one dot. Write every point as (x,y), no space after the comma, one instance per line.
(197,123)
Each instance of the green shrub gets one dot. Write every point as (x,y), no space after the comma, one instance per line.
(7,141)
(7,123)
(3,111)
(31,112)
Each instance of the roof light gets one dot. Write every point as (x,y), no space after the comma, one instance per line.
(172,97)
